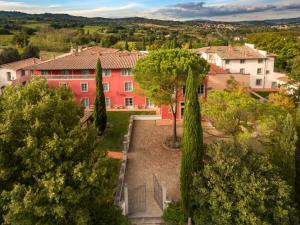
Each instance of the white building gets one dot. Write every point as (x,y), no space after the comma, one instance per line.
(11,72)
(246,59)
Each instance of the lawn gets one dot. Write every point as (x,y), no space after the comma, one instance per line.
(119,120)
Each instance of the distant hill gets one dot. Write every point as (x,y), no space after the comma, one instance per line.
(6,15)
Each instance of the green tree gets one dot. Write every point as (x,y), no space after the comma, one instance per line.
(192,148)
(100,116)
(31,51)
(162,74)
(8,55)
(126,46)
(297,158)
(239,186)
(52,171)
(20,39)
(295,70)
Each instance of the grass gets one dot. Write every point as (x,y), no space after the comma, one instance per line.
(5,40)
(91,29)
(36,25)
(119,120)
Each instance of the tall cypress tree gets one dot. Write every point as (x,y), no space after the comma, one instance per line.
(192,150)
(126,47)
(99,104)
(297,158)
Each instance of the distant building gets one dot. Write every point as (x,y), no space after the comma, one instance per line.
(14,72)
(245,59)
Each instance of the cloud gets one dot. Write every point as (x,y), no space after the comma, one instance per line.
(193,10)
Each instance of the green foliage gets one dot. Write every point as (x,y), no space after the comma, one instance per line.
(31,51)
(295,69)
(100,117)
(20,39)
(192,148)
(297,158)
(174,215)
(163,73)
(8,55)
(126,47)
(282,150)
(239,186)
(51,169)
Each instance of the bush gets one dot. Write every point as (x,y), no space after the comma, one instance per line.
(174,215)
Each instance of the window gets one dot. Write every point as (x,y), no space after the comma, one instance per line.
(128,86)
(85,72)
(227,70)
(181,109)
(65,72)
(126,72)
(258,82)
(107,102)
(268,71)
(105,87)
(84,87)
(227,61)
(85,102)
(23,73)
(8,74)
(129,102)
(260,60)
(45,72)
(242,71)
(274,84)
(201,90)
(106,73)
(259,70)
(242,61)
(149,103)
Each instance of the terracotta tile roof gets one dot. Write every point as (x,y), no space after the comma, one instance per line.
(214,69)
(21,64)
(231,52)
(87,59)
(219,82)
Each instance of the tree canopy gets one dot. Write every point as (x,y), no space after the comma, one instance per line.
(51,169)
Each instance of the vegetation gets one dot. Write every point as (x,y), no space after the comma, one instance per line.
(30,51)
(174,215)
(9,55)
(162,73)
(239,186)
(100,117)
(297,158)
(74,182)
(192,148)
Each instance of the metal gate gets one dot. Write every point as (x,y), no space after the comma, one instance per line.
(137,199)
(158,192)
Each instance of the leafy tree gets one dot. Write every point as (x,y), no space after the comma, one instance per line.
(174,215)
(297,158)
(283,100)
(295,70)
(100,116)
(162,74)
(239,186)
(192,148)
(282,151)
(20,39)
(31,51)
(52,171)
(8,55)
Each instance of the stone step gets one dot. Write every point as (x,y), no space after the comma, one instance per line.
(146,220)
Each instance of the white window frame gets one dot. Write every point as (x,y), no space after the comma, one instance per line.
(151,105)
(88,101)
(242,61)
(260,61)
(125,86)
(227,61)
(127,73)
(260,82)
(107,86)
(107,100)
(260,72)
(104,74)
(242,71)
(9,76)
(131,107)
(202,90)
(87,87)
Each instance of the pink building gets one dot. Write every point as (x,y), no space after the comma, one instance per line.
(77,71)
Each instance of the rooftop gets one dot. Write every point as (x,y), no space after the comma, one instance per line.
(87,59)
(232,52)
(21,64)
(219,82)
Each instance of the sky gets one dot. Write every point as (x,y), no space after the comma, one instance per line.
(220,10)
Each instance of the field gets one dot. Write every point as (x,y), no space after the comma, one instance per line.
(36,25)
(5,40)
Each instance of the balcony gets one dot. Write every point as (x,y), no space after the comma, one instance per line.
(67,77)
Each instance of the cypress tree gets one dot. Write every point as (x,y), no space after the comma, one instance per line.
(297,158)
(192,148)
(99,104)
(126,47)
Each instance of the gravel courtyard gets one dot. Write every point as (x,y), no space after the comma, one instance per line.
(147,157)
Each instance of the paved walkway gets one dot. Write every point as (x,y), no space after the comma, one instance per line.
(147,156)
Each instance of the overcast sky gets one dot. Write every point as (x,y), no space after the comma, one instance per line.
(226,10)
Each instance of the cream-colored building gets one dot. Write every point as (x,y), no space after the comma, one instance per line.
(245,59)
